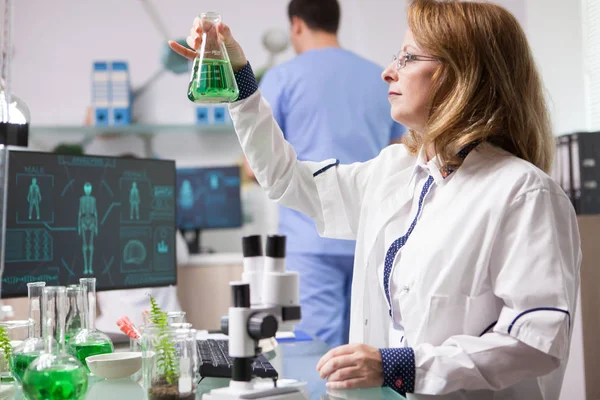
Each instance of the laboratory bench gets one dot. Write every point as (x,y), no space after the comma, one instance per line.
(293,360)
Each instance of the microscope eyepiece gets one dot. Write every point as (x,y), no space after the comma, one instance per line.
(240,294)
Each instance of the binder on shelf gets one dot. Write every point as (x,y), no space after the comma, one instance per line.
(202,115)
(220,115)
(564,161)
(213,114)
(579,157)
(585,177)
(120,94)
(100,93)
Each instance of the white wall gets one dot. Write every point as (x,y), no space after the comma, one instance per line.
(554,30)
(56,42)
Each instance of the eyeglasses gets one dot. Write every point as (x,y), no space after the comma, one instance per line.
(401,60)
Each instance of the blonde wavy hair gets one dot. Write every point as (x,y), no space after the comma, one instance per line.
(487,87)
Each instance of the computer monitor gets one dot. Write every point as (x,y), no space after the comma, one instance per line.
(207,198)
(70,217)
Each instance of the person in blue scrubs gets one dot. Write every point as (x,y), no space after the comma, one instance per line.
(329,102)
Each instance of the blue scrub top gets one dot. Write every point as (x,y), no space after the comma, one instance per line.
(330,103)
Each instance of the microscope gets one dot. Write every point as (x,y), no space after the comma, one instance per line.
(278,289)
(252,318)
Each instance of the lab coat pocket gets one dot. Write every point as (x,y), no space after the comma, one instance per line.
(459,315)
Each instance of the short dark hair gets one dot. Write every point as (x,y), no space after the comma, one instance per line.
(320,15)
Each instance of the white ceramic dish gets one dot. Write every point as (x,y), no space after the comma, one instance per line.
(115,365)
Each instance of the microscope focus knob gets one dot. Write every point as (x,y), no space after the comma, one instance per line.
(225,324)
(262,325)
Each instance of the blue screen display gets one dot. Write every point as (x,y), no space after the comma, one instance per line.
(208,198)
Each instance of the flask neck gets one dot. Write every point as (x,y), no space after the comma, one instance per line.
(89,302)
(54,304)
(34,294)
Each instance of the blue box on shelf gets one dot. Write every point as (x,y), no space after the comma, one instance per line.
(111,93)
(219,115)
(202,115)
(212,114)
(100,93)
(120,93)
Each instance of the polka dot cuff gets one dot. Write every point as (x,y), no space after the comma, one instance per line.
(246,82)
(399,369)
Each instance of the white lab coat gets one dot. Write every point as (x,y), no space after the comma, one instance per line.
(498,246)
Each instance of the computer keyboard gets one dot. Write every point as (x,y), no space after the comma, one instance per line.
(214,360)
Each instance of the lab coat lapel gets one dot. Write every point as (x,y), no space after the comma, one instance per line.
(395,195)
(365,300)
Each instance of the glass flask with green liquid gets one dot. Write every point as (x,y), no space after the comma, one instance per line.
(212,76)
(89,341)
(34,345)
(55,375)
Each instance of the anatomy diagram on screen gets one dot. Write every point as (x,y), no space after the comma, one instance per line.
(134,202)
(186,195)
(87,226)
(34,197)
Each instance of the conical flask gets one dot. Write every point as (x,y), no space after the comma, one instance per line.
(212,76)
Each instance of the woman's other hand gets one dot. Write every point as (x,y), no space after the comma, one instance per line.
(352,366)
(194,40)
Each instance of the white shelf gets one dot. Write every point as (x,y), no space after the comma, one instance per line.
(133,129)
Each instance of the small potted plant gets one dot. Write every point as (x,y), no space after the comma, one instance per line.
(6,350)
(162,346)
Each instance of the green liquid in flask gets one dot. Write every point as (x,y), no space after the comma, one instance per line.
(213,83)
(84,350)
(20,362)
(63,382)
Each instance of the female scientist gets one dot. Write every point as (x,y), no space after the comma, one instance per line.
(468,254)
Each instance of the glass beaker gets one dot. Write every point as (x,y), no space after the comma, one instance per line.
(55,375)
(135,345)
(212,78)
(75,313)
(89,341)
(17,332)
(173,317)
(168,362)
(176,317)
(34,345)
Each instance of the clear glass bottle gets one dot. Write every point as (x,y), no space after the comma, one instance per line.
(75,314)
(55,375)
(168,362)
(175,317)
(212,78)
(34,345)
(89,341)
